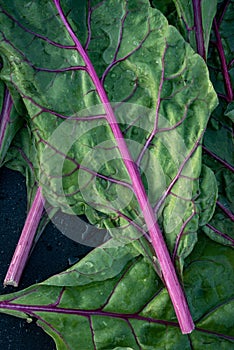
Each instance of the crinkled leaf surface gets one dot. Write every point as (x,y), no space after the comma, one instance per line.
(93,305)
(218,136)
(140,60)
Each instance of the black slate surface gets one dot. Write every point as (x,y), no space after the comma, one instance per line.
(51,255)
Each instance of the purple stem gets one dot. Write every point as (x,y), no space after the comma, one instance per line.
(88,25)
(171,280)
(230,63)
(24,245)
(224,67)
(225,210)
(5,114)
(199,28)
(228,166)
(221,234)
(33,310)
(176,178)
(79,166)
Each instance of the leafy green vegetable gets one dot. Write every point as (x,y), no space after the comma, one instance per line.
(218,141)
(95,301)
(174,93)
(173,90)
(196,20)
(117,104)
(193,18)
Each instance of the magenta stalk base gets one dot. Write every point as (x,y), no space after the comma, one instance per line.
(25,242)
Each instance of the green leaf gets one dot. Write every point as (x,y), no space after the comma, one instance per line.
(162,97)
(218,140)
(93,305)
(209,193)
(230,111)
(218,136)
(189,14)
(221,225)
(133,52)
(221,70)
(167,7)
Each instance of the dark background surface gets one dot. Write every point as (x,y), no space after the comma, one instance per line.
(52,254)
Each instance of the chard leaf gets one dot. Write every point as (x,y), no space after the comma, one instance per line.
(163,6)
(220,227)
(208,197)
(138,69)
(220,58)
(167,8)
(168,105)
(230,111)
(81,308)
(105,284)
(218,140)
(196,21)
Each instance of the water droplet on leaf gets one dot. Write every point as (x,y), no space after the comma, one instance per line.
(89,264)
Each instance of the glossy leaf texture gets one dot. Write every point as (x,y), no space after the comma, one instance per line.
(143,65)
(93,305)
(218,140)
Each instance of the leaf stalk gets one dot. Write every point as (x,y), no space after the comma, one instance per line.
(199,28)
(25,242)
(168,270)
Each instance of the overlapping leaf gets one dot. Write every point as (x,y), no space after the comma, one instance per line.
(196,19)
(218,139)
(193,19)
(162,98)
(134,54)
(93,305)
